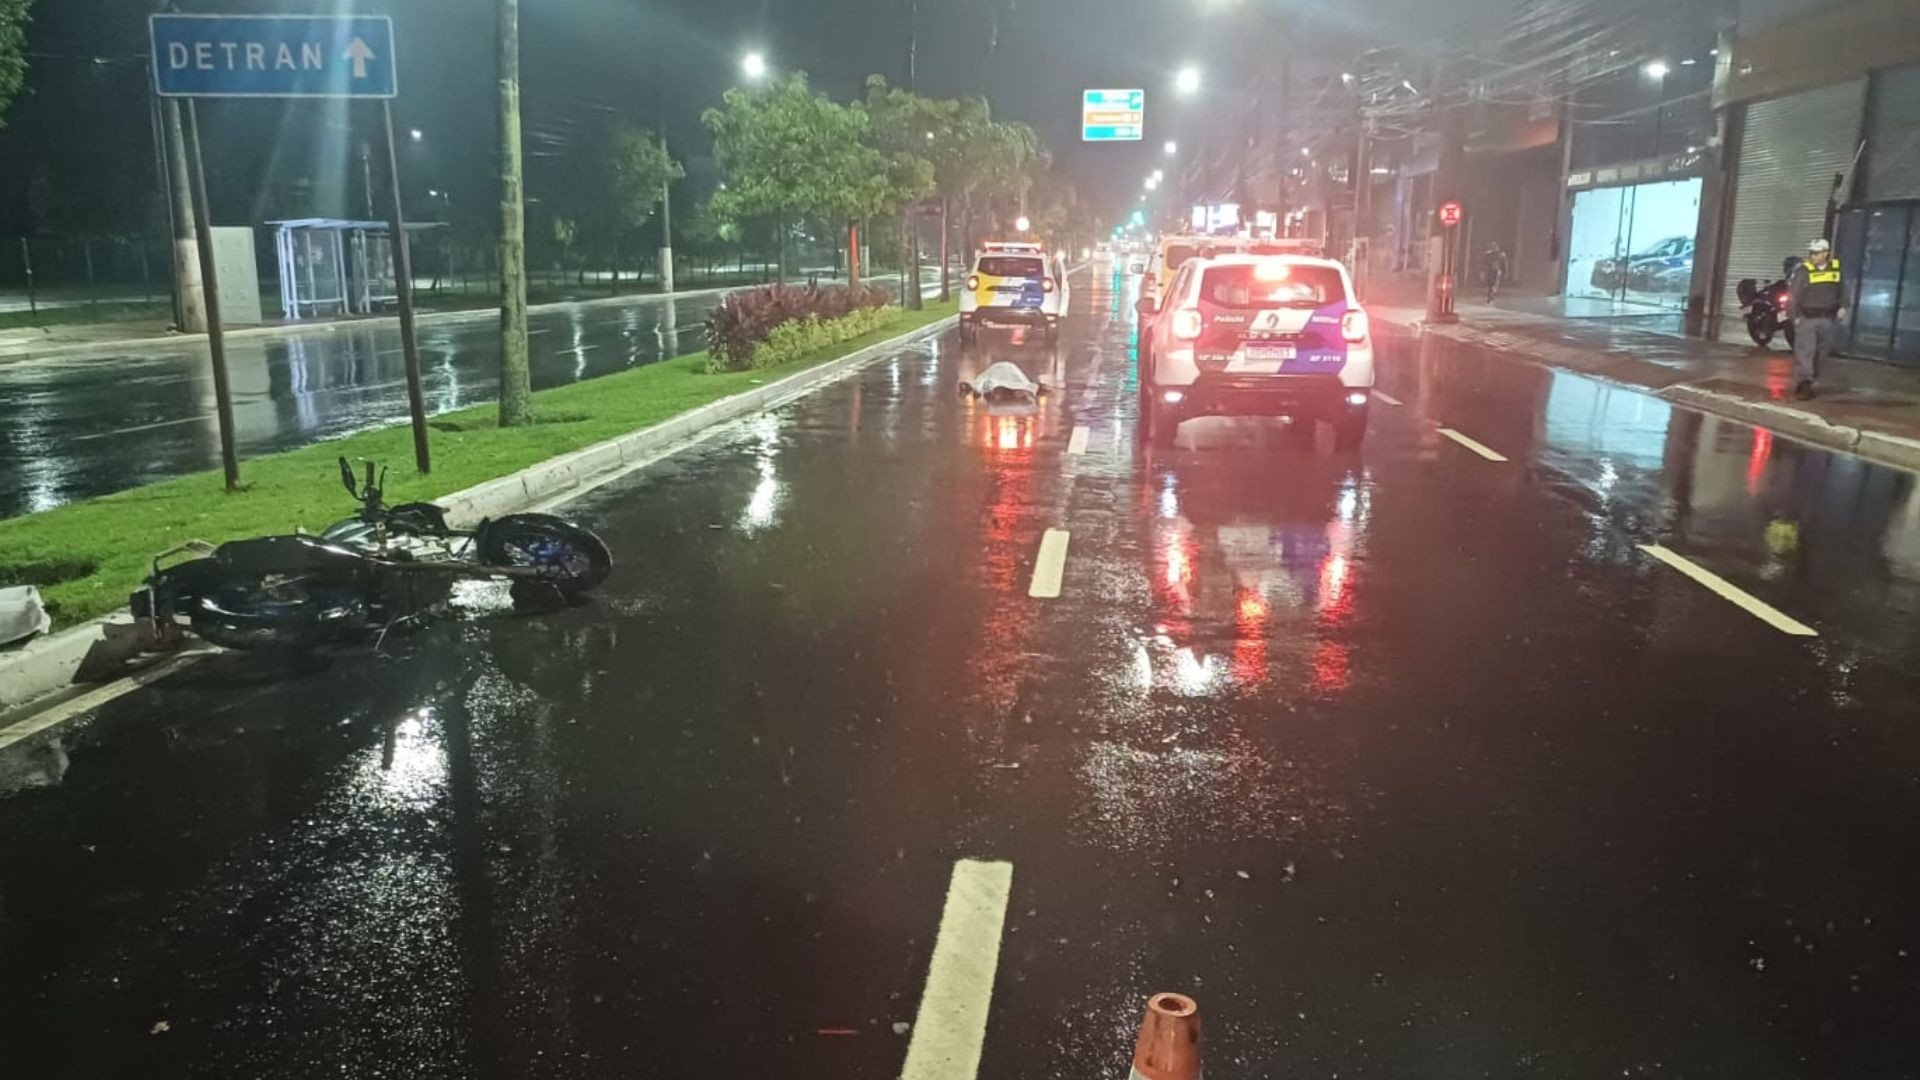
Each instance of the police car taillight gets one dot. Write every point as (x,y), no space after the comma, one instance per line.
(973,281)
(1353,326)
(1186,324)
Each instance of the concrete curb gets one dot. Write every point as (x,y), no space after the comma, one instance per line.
(101,649)
(1796,423)
(1886,449)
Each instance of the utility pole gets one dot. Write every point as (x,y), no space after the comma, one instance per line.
(516,388)
(666,217)
(1449,182)
(666,185)
(1362,203)
(366,177)
(403,291)
(189,293)
(1284,152)
(216,335)
(913,41)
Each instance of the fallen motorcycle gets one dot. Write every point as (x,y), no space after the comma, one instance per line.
(386,567)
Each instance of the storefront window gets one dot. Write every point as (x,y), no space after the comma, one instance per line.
(1880,246)
(1883,250)
(1906,333)
(1634,244)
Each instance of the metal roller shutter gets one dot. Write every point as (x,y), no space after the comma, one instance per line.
(1789,152)
(1893,143)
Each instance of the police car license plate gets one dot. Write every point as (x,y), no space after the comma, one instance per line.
(1260,351)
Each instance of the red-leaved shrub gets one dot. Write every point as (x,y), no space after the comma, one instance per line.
(747,317)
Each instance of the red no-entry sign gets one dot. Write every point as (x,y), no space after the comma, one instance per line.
(1450,213)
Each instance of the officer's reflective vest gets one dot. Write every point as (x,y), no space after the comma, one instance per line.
(1822,292)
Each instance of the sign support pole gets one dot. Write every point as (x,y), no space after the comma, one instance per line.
(210,282)
(403,289)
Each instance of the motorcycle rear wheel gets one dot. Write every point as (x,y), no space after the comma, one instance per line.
(1761,330)
(578,559)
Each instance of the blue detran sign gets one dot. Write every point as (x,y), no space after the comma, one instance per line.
(273,56)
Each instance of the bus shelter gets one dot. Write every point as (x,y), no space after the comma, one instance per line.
(336,266)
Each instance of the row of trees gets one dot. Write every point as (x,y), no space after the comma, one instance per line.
(13,58)
(787,152)
(602,201)
(789,155)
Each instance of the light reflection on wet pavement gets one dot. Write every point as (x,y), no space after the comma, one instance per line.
(1404,762)
(94,423)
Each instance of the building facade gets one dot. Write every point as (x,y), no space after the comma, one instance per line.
(1822,118)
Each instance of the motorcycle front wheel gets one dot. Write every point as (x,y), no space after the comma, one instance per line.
(577,559)
(266,613)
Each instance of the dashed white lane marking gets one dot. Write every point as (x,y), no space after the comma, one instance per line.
(951,1026)
(1049,566)
(1732,593)
(1477,448)
(1077,444)
(1382,395)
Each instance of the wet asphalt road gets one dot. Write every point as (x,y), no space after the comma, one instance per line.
(1407,763)
(89,424)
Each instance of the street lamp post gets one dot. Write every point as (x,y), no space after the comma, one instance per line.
(1657,71)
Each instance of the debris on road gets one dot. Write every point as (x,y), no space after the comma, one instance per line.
(1004,382)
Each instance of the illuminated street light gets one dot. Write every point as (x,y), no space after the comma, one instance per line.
(1656,69)
(1172,147)
(1187,80)
(1158,176)
(1021,223)
(753,65)
(1152,183)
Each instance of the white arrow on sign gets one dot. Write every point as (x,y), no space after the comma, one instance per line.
(359,53)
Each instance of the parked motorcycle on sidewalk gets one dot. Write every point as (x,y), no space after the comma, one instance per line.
(1764,307)
(385,568)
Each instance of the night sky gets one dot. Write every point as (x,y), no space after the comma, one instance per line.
(84,119)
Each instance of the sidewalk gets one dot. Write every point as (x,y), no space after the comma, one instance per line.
(1865,407)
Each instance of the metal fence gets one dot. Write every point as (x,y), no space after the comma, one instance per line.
(68,270)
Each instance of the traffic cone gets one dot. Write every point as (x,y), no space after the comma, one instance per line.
(1169,1044)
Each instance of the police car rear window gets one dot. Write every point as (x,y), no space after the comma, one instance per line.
(1177,254)
(1300,286)
(1015,266)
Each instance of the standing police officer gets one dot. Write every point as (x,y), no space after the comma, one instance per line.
(1814,302)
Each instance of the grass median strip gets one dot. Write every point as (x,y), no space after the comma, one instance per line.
(87,556)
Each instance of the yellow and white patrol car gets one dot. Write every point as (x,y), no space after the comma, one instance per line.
(1014,283)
